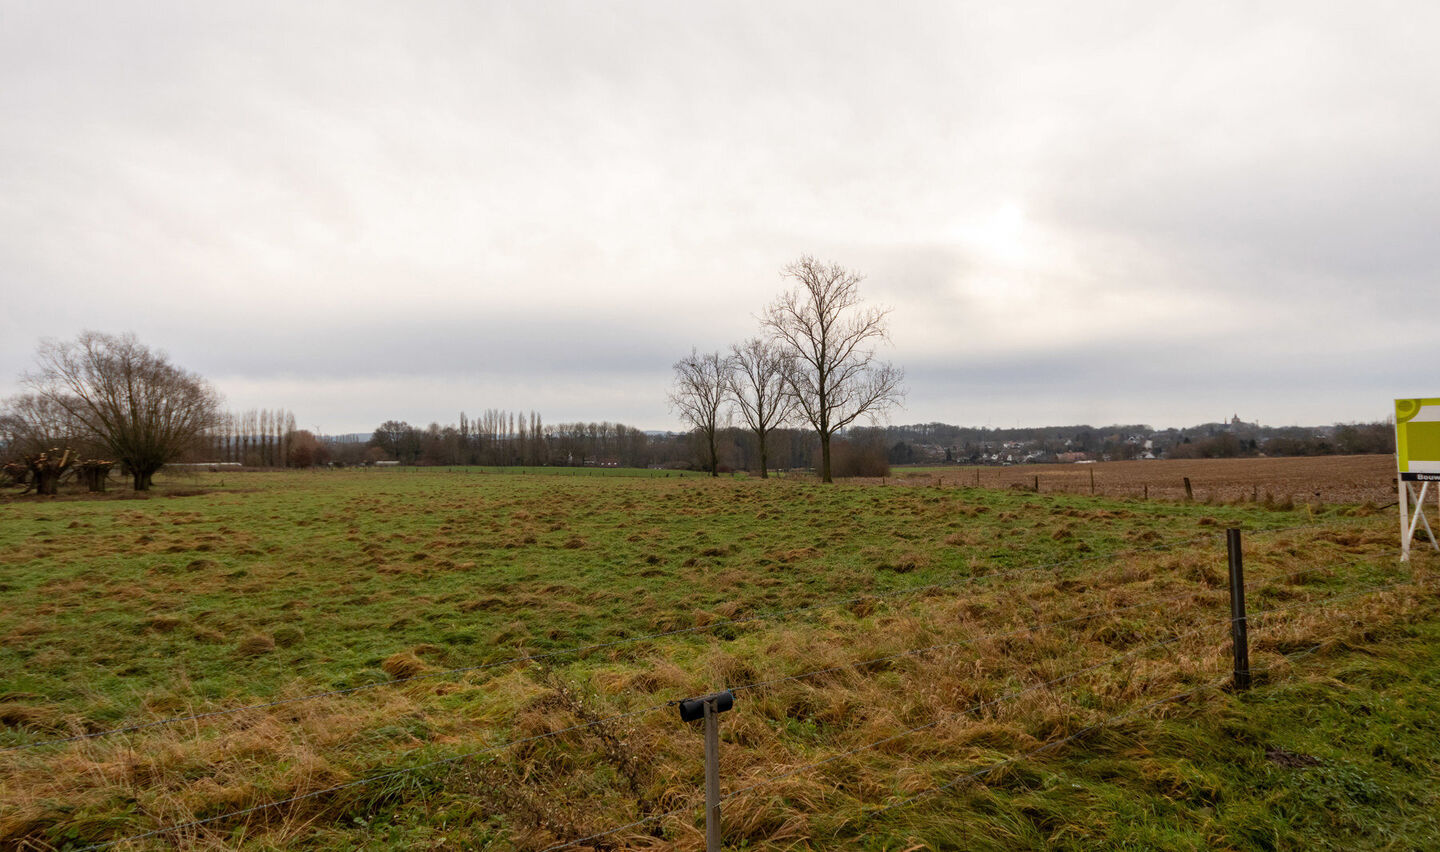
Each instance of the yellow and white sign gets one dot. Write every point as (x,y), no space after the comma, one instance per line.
(1417,439)
(1417,453)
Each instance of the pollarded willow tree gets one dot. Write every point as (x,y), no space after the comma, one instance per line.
(702,383)
(828,337)
(144,410)
(757,384)
(40,438)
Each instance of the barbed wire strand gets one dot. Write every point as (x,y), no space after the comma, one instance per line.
(498,746)
(1047,747)
(1358,560)
(1109,721)
(1129,551)
(1029,628)
(1037,626)
(373,778)
(799,770)
(971,709)
(636,824)
(1329,599)
(585,649)
(1102,724)
(303,667)
(288,670)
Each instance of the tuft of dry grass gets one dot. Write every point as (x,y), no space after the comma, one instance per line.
(403,664)
(254,645)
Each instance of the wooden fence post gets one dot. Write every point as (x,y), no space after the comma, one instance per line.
(1239,635)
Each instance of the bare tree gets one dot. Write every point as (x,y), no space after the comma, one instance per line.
(828,336)
(143,409)
(42,438)
(699,394)
(757,384)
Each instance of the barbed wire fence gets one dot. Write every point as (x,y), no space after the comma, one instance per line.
(761,685)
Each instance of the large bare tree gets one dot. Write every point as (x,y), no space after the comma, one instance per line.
(757,384)
(145,410)
(702,382)
(829,338)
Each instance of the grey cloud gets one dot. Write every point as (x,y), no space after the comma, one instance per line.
(339,191)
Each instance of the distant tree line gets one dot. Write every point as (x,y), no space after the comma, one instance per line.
(931,443)
(499,437)
(493,440)
(1340,439)
(504,438)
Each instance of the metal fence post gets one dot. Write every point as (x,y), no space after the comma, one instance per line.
(1239,636)
(712,777)
(709,708)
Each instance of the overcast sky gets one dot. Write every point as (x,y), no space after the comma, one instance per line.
(1079,212)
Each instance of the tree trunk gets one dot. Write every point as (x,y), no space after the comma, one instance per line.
(764,474)
(825,458)
(142,478)
(714,457)
(47,481)
(94,474)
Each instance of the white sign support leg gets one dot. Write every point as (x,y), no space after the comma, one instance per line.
(1410,521)
(1403,488)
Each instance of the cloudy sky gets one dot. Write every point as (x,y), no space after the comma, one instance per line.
(1092,212)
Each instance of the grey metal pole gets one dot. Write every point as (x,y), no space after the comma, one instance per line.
(1238,634)
(712,777)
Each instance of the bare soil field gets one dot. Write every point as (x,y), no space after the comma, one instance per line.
(1327,479)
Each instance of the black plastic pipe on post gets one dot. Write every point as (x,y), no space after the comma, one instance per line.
(1239,635)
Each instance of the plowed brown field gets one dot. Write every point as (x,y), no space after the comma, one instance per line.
(1329,479)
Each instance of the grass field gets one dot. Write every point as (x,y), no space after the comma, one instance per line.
(995,621)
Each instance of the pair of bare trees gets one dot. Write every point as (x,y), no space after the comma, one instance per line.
(815,362)
(750,378)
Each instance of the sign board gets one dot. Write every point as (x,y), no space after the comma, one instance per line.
(1417,439)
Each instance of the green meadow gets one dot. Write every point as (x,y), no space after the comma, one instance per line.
(469,632)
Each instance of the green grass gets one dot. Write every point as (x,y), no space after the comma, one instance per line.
(113,595)
(1341,755)
(242,588)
